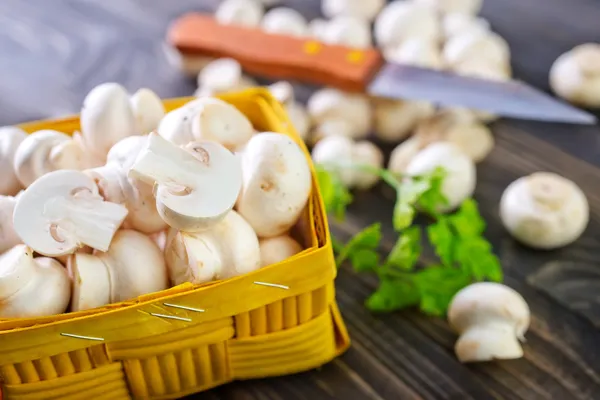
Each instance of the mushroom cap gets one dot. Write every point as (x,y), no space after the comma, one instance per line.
(460,180)
(335,152)
(575,75)
(477,45)
(240,12)
(331,127)
(43,285)
(457,23)
(148,110)
(402,154)
(487,303)
(544,210)
(367,154)
(276,249)
(229,249)
(363,9)
(176,125)
(135,264)
(70,154)
(90,281)
(32,158)
(395,119)
(10,139)
(284,21)
(283,91)
(181,176)
(277,183)
(63,210)
(330,103)
(400,20)
(299,118)
(467,7)
(125,151)
(160,238)
(316,28)
(219,121)
(8,236)
(106,117)
(347,31)
(416,51)
(220,75)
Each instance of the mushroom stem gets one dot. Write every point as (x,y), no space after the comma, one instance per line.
(486,342)
(94,221)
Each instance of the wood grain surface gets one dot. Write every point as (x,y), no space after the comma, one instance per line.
(52,52)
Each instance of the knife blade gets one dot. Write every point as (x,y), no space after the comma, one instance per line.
(363,70)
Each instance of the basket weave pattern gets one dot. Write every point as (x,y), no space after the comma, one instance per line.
(278,320)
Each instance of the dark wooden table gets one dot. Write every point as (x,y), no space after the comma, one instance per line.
(52,52)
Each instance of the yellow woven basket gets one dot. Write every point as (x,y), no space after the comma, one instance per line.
(278,320)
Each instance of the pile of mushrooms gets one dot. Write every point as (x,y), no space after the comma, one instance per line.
(120,209)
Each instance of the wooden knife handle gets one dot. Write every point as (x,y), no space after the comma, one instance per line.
(276,56)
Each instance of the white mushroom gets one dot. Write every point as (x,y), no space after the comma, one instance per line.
(395,119)
(31,287)
(283,91)
(106,118)
(575,75)
(277,249)
(227,250)
(418,52)
(221,76)
(196,186)
(132,266)
(8,236)
(402,154)
(240,12)
(347,31)
(473,138)
(148,110)
(316,28)
(328,103)
(46,151)
(160,239)
(189,64)
(363,9)
(207,118)
(544,210)
(481,46)
(331,127)
(276,183)
(62,211)
(460,179)
(491,319)
(10,139)
(468,7)
(457,23)
(349,160)
(401,20)
(284,21)
(300,119)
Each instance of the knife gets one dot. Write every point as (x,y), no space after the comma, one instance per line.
(362,70)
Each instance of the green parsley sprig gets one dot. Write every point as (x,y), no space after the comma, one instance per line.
(465,256)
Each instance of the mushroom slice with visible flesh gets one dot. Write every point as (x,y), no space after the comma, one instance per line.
(276,183)
(8,236)
(62,211)
(277,249)
(148,110)
(10,139)
(31,287)
(195,186)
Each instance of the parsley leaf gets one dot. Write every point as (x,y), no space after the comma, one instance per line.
(408,192)
(335,194)
(393,295)
(437,286)
(432,199)
(361,250)
(406,251)
(441,237)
